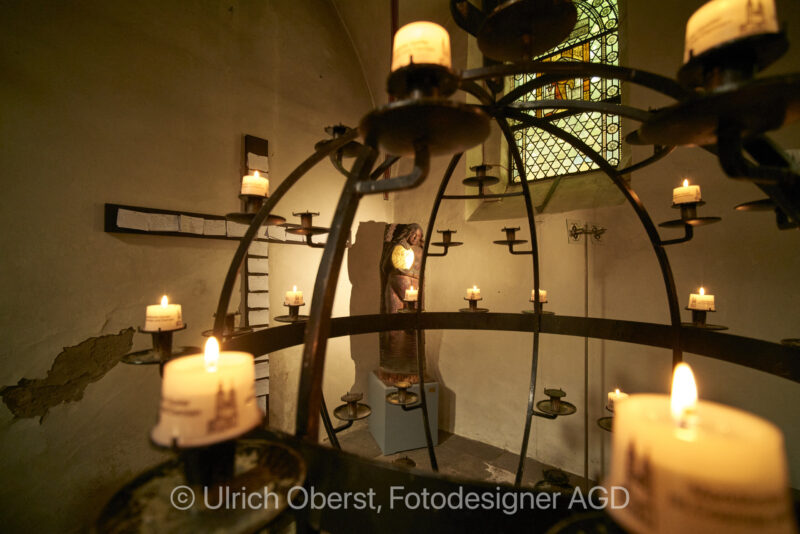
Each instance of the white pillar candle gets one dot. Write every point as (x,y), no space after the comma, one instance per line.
(207,398)
(701,301)
(693,466)
(421,42)
(411,294)
(542,295)
(164,316)
(614,397)
(473,293)
(294,297)
(686,193)
(721,21)
(255,184)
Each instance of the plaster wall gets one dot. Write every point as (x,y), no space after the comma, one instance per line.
(145,104)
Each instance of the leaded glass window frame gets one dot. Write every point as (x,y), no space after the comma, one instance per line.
(595,38)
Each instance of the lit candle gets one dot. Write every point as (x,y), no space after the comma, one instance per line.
(207,398)
(255,184)
(542,295)
(421,42)
(721,21)
(164,316)
(473,293)
(686,194)
(692,466)
(613,397)
(411,294)
(294,297)
(701,301)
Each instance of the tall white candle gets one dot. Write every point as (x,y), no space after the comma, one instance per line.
(255,184)
(164,316)
(686,194)
(411,294)
(701,301)
(693,466)
(294,297)
(473,293)
(207,398)
(542,295)
(720,21)
(421,42)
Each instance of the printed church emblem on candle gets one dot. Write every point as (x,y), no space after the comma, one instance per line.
(225,416)
(639,483)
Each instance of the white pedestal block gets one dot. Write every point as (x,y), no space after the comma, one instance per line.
(393,428)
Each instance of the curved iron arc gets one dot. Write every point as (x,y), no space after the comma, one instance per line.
(420,333)
(586,105)
(260,217)
(537,306)
(309,400)
(582,69)
(641,212)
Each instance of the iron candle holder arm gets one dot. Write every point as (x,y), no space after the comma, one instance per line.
(689,219)
(512,240)
(408,181)
(446,242)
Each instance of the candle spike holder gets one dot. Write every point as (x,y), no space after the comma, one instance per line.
(352,409)
(350,150)
(229,330)
(162,350)
(511,240)
(306,228)
(699,320)
(402,397)
(540,310)
(555,405)
(293,316)
(410,306)
(688,221)
(481,179)
(446,242)
(473,306)
(251,204)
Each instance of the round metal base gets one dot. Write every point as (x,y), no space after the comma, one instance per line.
(522,29)
(754,107)
(247,218)
(343,412)
(450,244)
(566,408)
(475,181)
(606,423)
(260,466)
(404,461)
(753,53)
(791,342)
(445,127)
(306,230)
(533,312)
(143,331)
(705,326)
(239,331)
(510,241)
(765,204)
(151,357)
(475,310)
(394,398)
(695,221)
(291,318)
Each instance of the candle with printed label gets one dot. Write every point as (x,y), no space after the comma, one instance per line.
(701,301)
(294,297)
(255,184)
(542,295)
(473,293)
(614,397)
(421,42)
(411,294)
(686,194)
(163,317)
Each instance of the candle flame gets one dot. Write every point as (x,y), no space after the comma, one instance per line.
(164,301)
(474,288)
(702,291)
(212,354)
(684,393)
(294,288)
(255,173)
(616,391)
(686,183)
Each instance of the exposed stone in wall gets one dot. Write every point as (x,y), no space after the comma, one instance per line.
(73,369)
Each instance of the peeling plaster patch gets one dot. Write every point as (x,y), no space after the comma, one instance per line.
(499,475)
(74,369)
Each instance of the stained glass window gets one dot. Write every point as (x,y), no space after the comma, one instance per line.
(596,39)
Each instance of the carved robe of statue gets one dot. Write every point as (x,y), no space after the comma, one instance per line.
(400,266)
